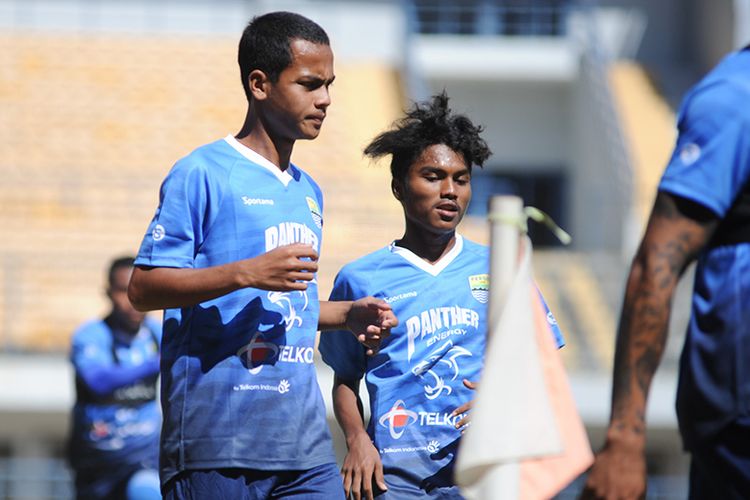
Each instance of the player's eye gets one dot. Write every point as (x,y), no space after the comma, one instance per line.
(311,85)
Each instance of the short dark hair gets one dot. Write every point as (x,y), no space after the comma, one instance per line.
(125,262)
(265,43)
(426,125)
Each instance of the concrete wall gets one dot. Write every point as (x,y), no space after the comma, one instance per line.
(685,38)
(599,186)
(713,26)
(526,125)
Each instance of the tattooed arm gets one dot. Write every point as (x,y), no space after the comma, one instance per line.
(677,231)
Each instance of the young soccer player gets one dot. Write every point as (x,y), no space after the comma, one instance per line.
(231,254)
(114,441)
(701,213)
(437,283)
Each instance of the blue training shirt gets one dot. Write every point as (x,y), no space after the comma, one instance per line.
(415,381)
(238,382)
(116,418)
(711,166)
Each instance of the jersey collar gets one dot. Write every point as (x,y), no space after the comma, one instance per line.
(418,262)
(282,175)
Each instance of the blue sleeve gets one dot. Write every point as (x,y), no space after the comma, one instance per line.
(710,164)
(154,326)
(340,349)
(186,202)
(92,359)
(552,322)
(104,380)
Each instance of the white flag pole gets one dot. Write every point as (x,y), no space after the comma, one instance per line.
(514,449)
(506,214)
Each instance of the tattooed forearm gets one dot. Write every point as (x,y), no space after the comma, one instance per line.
(671,242)
(643,326)
(646,366)
(640,344)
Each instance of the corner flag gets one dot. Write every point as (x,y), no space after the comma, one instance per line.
(526,439)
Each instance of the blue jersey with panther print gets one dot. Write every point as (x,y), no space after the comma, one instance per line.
(238,382)
(415,381)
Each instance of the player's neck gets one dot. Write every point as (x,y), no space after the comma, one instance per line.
(426,245)
(255,136)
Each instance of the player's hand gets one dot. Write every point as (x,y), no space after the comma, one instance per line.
(464,422)
(362,467)
(284,269)
(618,473)
(371,320)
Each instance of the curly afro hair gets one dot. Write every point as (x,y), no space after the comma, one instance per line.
(426,125)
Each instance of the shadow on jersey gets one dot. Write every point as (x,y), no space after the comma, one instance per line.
(253,335)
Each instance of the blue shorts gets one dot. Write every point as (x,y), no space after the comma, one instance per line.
(411,487)
(720,466)
(319,483)
(117,482)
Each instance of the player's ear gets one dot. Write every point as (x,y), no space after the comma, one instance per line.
(258,82)
(396,189)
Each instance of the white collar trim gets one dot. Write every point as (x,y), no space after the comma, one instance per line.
(437,267)
(281,175)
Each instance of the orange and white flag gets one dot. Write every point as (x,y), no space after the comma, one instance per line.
(526,439)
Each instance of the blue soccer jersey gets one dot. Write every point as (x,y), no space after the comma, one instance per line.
(115,427)
(711,166)
(415,381)
(238,381)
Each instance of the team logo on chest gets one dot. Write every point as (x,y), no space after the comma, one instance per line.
(480,287)
(315,211)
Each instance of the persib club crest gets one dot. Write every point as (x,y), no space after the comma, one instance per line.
(480,287)
(315,212)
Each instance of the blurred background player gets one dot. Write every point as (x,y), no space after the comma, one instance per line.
(437,283)
(231,254)
(701,212)
(114,442)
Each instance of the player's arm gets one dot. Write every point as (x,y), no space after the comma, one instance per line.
(677,231)
(362,465)
(92,360)
(103,380)
(369,319)
(285,268)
